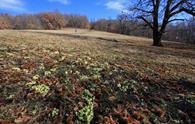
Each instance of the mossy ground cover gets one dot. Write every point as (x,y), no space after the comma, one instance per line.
(46,78)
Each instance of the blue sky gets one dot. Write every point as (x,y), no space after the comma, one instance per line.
(94,9)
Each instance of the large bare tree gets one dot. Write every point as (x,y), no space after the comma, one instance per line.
(158,13)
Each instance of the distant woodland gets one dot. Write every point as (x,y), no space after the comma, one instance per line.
(183,31)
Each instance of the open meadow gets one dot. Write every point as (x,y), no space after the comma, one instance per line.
(50,77)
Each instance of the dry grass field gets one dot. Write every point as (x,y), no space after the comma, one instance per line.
(94,77)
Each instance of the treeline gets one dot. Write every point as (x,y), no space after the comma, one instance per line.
(182,32)
(47,21)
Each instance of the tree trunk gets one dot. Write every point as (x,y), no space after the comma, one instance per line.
(157,38)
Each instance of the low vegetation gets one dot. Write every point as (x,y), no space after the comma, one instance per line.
(94,77)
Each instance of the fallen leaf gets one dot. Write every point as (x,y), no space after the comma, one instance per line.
(23,119)
(159,112)
(138,116)
(69,119)
(5,122)
(112,98)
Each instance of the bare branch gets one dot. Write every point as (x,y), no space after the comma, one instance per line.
(191,12)
(166,16)
(176,20)
(177,5)
(188,11)
(143,10)
(147,22)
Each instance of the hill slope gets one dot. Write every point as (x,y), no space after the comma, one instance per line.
(62,76)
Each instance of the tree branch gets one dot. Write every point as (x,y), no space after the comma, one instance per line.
(147,22)
(191,12)
(166,16)
(177,5)
(142,10)
(176,20)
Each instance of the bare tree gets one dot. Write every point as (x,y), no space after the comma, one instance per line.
(123,24)
(6,21)
(27,21)
(157,14)
(77,21)
(105,25)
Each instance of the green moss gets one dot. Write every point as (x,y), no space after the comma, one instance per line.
(88,96)
(69,85)
(47,73)
(39,88)
(127,85)
(84,78)
(86,113)
(36,77)
(92,86)
(190,99)
(35,109)
(54,113)
(30,84)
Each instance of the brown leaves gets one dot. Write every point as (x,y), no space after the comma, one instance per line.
(127,117)
(52,20)
(5,122)
(65,70)
(29,65)
(22,119)
(112,98)
(109,120)
(69,119)
(160,112)
(138,116)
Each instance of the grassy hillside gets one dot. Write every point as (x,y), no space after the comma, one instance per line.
(97,77)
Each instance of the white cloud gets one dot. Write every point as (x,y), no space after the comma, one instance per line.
(118,5)
(60,1)
(15,5)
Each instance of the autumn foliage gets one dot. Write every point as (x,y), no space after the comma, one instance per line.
(47,20)
(52,20)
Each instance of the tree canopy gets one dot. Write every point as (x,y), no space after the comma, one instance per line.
(158,13)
